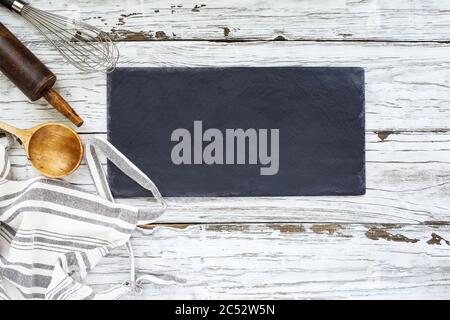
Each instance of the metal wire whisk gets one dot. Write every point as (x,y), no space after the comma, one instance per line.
(86,47)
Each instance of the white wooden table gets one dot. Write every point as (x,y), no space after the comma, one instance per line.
(391,243)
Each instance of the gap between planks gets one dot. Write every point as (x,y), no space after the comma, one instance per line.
(332,224)
(387,232)
(338,20)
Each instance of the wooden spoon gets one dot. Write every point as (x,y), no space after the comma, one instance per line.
(54,149)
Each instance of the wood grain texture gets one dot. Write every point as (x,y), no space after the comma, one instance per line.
(391,243)
(407,182)
(407,85)
(337,20)
(288,261)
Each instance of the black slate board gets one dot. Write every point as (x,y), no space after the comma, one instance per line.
(319,113)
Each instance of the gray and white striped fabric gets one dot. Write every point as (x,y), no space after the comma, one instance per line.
(52,233)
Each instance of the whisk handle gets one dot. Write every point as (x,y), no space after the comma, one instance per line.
(7,3)
(14,5)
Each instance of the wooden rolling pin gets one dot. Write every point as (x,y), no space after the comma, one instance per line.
(30,75)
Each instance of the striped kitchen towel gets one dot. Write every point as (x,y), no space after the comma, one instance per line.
(52,233)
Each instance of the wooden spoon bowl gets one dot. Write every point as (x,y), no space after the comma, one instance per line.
(53,149)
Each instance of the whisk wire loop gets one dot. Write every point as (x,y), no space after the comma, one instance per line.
(86,47)
(60,41)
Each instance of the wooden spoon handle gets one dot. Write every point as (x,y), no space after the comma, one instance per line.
(62,106)
(21,134)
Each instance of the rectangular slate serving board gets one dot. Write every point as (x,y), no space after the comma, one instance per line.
(314,115)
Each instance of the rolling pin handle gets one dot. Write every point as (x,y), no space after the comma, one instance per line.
(62,106)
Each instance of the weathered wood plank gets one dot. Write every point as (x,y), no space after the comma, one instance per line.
(287,261)
(376,20)
(408,173)
(407,86)
(407,181)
